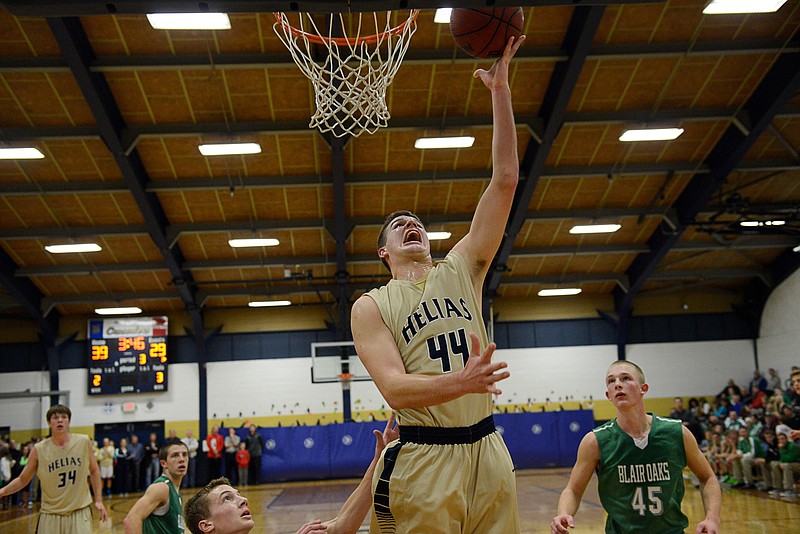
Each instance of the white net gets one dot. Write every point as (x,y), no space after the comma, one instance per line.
(351,80)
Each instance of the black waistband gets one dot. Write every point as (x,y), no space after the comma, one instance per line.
(432,435)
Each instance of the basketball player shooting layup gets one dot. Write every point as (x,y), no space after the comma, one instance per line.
(423,341)
(639,459)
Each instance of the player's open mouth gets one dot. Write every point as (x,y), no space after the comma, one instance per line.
(246,514)
(413,236)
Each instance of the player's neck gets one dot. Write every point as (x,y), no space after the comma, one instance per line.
(60,438)
(175,479)
(635,422)
(412,270)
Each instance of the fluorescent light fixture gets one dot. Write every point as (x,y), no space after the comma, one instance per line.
(254,242)
(723,7)
(559,292)
(72,248)
(762,223)
(20,153)
(594,228)
(444,142)
(229,149)
(651,134)
(189,21)
(796,249)
(124,310)
(438,236)
(442,15)
(269,303)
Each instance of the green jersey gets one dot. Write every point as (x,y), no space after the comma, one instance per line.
(641,483)
(169,518)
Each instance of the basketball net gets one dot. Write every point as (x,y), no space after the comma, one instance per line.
(351,80)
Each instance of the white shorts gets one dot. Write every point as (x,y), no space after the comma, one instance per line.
(107,471)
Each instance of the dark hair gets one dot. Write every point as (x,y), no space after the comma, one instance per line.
(389,218)
(163,451)
(196,508)
(58,409)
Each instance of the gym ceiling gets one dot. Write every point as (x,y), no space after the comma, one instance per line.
(119,109)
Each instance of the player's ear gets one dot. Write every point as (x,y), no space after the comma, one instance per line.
(205,525)
(645,388)
(382,252)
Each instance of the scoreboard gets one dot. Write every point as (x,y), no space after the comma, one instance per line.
(127,355)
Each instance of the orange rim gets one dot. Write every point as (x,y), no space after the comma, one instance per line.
(343,41)
(345,377)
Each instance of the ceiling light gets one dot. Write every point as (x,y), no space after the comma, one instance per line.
(254,242)
(442,15)
(762,223)
(269,303)
(444,142)
(722,7)
(72,248)
(20,153)
(438,236)
(229,149)
(796,249)
(125,310)
(189,21)
(651,134)
(594,228)
(559,292)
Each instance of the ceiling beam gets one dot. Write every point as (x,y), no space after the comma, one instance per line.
(157,62)
(77,50)
(133,133)
(742,243)
(577,41)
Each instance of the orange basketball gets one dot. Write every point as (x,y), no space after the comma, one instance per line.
(485,32)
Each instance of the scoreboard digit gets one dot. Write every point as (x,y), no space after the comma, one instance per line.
(127,355)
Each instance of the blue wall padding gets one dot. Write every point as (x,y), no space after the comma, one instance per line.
(541,439)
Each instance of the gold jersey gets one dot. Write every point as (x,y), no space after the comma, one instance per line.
(431,320)
(63,474)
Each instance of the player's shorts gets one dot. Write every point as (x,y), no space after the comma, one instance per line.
(78,522)
(445,480)
(106,471)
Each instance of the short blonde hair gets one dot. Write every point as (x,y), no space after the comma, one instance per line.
(637,370)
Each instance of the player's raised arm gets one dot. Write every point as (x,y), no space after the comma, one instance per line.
(570,499)
(483,239)
(377,350)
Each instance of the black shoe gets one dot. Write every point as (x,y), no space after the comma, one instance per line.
(749,485)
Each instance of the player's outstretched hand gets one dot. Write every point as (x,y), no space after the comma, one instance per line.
(314,526)
(707,527)
(389,434)
(498,74)
(561,524)
(481,374)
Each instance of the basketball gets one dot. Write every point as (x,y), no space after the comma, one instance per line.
(484,33)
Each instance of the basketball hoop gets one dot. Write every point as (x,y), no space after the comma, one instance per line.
(350,82)
(345,378)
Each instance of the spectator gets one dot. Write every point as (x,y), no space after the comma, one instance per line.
(152,466)
(136,458)
(757,398)
(216,444)
(231,446)
(757,381)
(255,446)
(727,452)
(788,385)
(687,418)
(721,407)
(243,462)
(736,404)
(745,451)
(713,453)
(105,459)
(769,454)
(122,470)
(191,474)
(775,402)
(25,496)
(789,417)
(733,421)
(5,474)
(785,468)
(773,381)
(729,390)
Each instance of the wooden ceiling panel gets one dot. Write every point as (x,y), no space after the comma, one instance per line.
(599,145)
(25,36)
(545,26)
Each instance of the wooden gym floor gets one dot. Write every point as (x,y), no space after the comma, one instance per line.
(283,508)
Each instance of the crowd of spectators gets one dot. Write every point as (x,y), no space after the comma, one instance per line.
(13,459)
(750,434)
